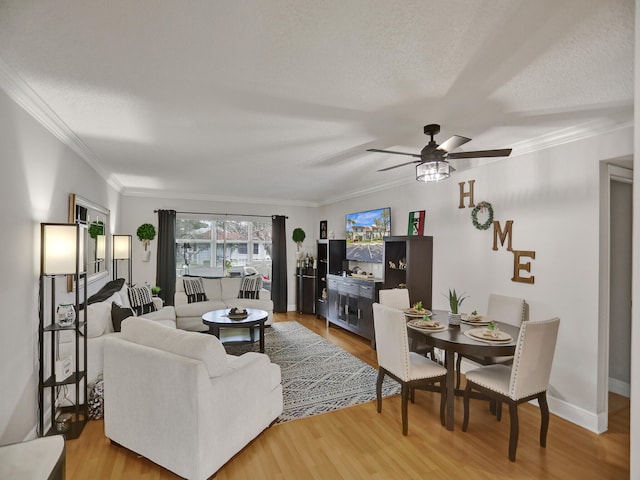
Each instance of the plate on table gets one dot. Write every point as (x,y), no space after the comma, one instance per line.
(412,312)
(429,326)
(474,319)
(487,335)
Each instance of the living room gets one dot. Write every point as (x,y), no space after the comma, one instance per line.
(553,195)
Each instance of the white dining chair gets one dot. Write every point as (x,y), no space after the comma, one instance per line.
(509,310)
(526,379)
(395,298)
(410,369)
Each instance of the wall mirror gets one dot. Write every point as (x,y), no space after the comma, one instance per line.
(96,218)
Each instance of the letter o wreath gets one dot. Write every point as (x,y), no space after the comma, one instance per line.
(474,215)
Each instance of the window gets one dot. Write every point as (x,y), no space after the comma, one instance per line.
(215,246)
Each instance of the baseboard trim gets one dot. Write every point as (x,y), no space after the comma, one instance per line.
(620,387)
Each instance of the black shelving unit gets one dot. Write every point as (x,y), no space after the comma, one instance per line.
(408,263)
(330,255)
(48,333)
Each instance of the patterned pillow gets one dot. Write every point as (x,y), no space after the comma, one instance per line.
(194,289)
(140,300)
(250,286)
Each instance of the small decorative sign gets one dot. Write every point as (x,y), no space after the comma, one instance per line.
(416,223)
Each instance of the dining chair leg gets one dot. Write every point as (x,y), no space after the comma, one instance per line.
(467,395)
(405,401)
(412,396)
(458,364)
(544,413)
(379,389)
(514,430)
(443,401)
(498,410)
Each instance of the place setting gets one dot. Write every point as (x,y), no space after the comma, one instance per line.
(489,334)
(417,311)
(426,325)
(474,318)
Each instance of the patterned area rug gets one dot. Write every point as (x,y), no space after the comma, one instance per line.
(317,376)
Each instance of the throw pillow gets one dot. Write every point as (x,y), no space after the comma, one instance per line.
(250,286)
(140,300)
(118,314)
(194,289)
(106,291)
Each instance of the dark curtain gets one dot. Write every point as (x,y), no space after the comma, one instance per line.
(279,264)
(166,261)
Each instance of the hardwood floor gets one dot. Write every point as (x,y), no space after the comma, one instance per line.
(359,443)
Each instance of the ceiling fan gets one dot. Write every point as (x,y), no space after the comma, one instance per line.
(432,164)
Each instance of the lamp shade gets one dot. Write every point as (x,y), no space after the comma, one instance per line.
(433,171)
(101,247)
(59,248)
(121,247)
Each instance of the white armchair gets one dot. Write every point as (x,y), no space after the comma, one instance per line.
(176,397)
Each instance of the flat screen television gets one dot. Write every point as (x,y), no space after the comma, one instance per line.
(365,231)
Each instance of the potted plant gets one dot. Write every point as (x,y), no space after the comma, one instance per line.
(455,301)
(298,236)
(146,232)
(155,290)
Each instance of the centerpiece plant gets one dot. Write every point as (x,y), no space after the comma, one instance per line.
(455,301)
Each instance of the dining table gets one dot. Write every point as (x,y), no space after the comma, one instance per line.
(453,340)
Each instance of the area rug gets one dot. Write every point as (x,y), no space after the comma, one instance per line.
(317,376)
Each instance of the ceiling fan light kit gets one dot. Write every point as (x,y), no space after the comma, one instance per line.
(433,171)
(432,165)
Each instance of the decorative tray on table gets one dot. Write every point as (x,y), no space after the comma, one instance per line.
(237,313)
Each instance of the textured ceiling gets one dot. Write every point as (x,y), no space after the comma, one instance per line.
(192,99)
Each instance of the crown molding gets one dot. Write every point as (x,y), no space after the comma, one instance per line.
(568,135)
(148,193)
(21,93)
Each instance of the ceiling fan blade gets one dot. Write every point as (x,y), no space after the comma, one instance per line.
(480,153)
(400,165)
(391,151)
(453,142)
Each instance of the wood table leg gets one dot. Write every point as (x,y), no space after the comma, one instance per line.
(262,337)
(450,386)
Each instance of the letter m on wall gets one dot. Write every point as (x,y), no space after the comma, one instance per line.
(502,235)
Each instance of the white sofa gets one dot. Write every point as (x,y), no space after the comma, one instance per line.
(100,326)
(176,397)
(221,293)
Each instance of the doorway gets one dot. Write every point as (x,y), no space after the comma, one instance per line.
(615,298)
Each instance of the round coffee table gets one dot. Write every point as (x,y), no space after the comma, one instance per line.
(218,319)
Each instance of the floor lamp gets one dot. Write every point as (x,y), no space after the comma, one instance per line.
(62,252)
(121,251)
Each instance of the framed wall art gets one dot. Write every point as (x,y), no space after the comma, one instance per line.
(323,229)
(416,223)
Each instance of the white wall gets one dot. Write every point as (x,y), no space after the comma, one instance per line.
(139,210)
(38,173)
(635,281)
(553,198)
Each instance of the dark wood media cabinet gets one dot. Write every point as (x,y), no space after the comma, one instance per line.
(350,304)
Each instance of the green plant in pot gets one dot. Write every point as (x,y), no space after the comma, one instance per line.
(298,236)
(455,301)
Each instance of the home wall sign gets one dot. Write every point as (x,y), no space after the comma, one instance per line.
(521,258)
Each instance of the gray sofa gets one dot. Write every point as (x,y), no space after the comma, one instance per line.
(221,293)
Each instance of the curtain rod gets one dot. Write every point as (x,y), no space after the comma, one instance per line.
(225,214)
